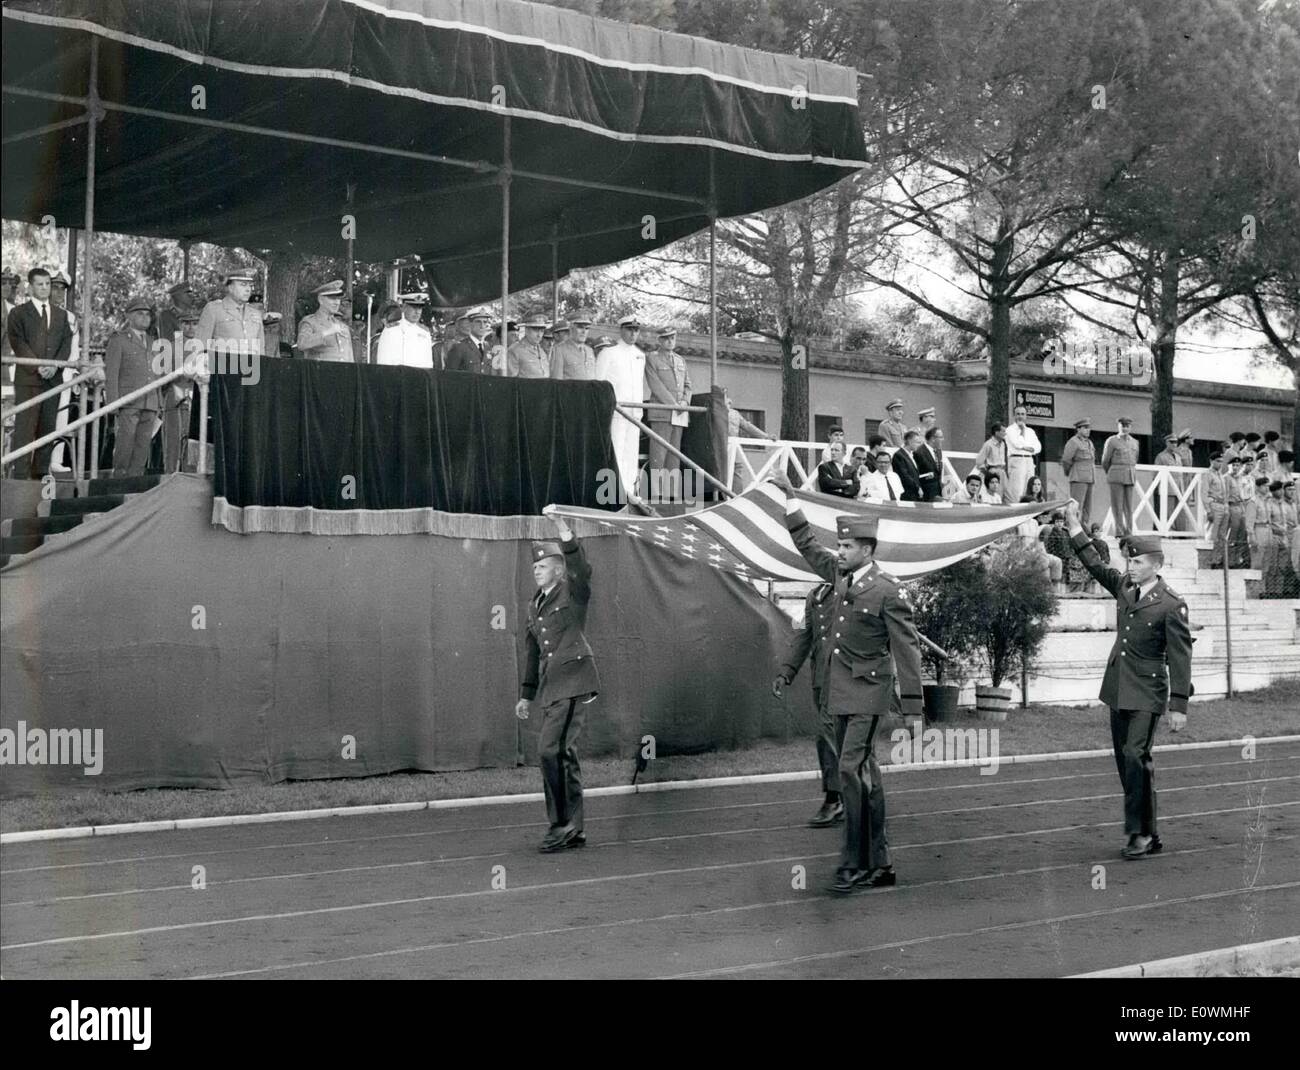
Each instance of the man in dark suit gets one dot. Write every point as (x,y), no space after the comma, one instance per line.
(874,640)
(929,466)
(807,644)
(559,671)
(37,330)
(836,477)
(1149,670)
(472,354)
(904,463)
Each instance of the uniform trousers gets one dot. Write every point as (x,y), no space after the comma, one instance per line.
(1131,733)
(1121,507)
(1218,531)
(1238,544)
(828,755)
(133,435)
(1082,493)
(625,437)
(561,776)
(175,430)
(658,457)
(863,794)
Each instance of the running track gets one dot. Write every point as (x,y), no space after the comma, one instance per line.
(996,879)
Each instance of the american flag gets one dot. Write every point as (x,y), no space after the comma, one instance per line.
(747,535)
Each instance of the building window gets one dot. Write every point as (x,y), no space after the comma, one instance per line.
(822,427)
(757,417)
(869,428)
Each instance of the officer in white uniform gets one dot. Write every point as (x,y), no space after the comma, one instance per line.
(408,342)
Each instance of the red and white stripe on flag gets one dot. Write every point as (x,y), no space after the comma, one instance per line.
(747,534)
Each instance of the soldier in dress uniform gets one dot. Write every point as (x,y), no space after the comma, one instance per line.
(892,426)
(472,352)
(323,335)
(177,394)
(1216,501)
(808,644)
(1259,531)
(1149,670)
(572,357)
(668,382)
(527,359)
(927,418)
(1240,490)
(407,343)
(1079,464)
(231,324)
(559,673)
(128,367)
(874,640)
(1119,458)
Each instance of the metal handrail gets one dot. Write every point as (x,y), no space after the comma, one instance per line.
(31,362)
(92,372)
(93,418)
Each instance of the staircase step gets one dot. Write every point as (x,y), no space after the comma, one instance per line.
(121,485)
(4,559)
(99,503)
(42,525)
(20,544)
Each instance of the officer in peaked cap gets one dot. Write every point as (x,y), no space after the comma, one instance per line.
(559,673)
(572,357)
(1149,670)
(473,352)
(872,641)
(128,368)
(408,342)
(527,359)
(324,335)
(928,420)
(892,426)
(230,324)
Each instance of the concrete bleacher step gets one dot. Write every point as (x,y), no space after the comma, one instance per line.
(12,545)
(98,503)
(40,525)
(120,485)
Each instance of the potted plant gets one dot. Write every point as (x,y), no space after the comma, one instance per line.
(943,604)
(1010,614)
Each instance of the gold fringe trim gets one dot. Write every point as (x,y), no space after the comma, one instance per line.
(307,520)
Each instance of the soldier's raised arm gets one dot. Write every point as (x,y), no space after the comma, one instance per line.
(821,560)
(1109,578)
(575,562)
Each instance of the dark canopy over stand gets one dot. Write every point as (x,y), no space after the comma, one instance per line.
(244,124)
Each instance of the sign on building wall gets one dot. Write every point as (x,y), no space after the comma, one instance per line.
(1041,404)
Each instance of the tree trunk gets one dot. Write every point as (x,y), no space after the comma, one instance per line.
(999,392)
(1162,351)
(794,387)
(283,275)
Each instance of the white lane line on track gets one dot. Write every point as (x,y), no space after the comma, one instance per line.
(624,843)
(805,900)
(583,881)
(616,790)
(893,793)
(982,931)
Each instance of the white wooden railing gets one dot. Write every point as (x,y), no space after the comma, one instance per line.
(1167,501)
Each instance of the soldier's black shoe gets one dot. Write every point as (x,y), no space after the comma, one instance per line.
(1156,846)
(884,877)
(849,880)
(579,840)
(558,839)
(1137,847)
(832,810)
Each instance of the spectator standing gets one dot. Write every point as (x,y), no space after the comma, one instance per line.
(8,296)
(1259,529)
(1271,452)
(929,466)
(1239,493)
(37,330)
(1022,447)
(1119,458)
(1168,458)
(668,382)
(737,427)
(992,456)
(127,368)
(926,419)
(60,297)
(323,335)
(1079,463)
(182,301)
(835,477)
(176,397)
(892,426)
(903,463)
(622,365)
(1216,500)
(834,435)
(1292,512)
(230,324)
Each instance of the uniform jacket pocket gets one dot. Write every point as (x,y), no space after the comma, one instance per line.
(873,668)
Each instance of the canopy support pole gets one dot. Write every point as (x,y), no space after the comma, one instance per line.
(347,285)
(555,273)
(185,262)
(505,234)
(93,111)
(713,277)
